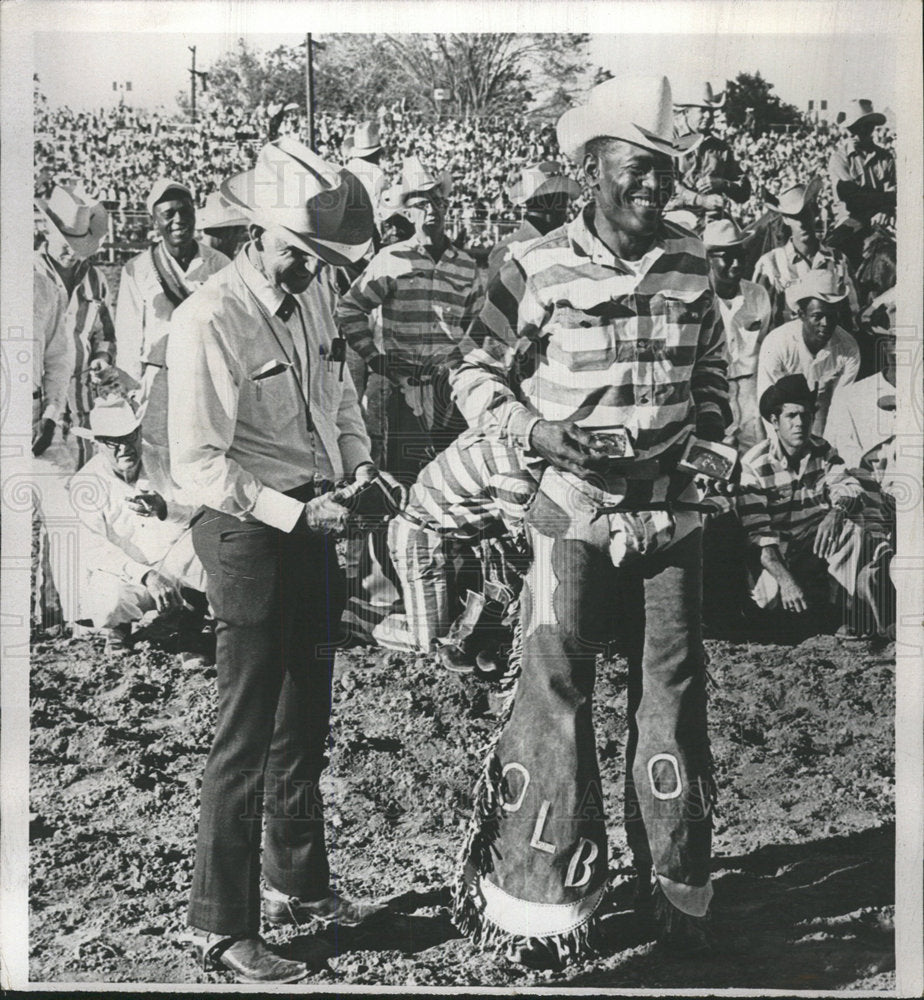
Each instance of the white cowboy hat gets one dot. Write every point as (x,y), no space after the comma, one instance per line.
(859,112)
(542,180)
(219,213)
(634,109)
(81,220)
(794,199)
(112,416)
(706,100)
(323,207)
(723,233)
(818,283)
(365,139)
(416,179)
(163,187)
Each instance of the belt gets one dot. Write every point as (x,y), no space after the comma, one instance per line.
(460,534)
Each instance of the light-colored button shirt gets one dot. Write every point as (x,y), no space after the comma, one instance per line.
(861,430)
(746,318)
(238,443)
(143,311)
(142,542)
(53,352)
(783,352)
(874,170)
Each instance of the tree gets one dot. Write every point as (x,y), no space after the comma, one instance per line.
(752,91)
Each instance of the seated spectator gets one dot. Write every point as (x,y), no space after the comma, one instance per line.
(803,514)
(745,309)
(803,251)
(136,551)
(812,345)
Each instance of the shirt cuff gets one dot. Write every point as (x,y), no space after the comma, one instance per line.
(52,412)
(520,426)
(277,510)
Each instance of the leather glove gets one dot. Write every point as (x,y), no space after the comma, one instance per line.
(368,473)
(325,516)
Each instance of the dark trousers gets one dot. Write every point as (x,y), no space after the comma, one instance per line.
(277,601)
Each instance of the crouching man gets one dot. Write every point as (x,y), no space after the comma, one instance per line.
(136,551)
(803,513)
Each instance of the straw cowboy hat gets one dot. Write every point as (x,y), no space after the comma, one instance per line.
(416,179)
(723,233)
(818,283)
(323,207)
(634,109)
(112,416)
(219,213)
(542,180)
(81,220)
(365,139)
(683,218)
(162,188)
(706,100)
(859,112)
(793,200)
(789,389)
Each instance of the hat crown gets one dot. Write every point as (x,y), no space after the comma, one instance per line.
(365,135)
(69,212)
(416,177)
(795,198)
(113,416)
(720,233)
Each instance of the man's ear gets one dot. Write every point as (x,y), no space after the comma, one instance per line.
(591,169)
(256,232)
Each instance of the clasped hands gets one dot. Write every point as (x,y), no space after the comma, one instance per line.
(329,513)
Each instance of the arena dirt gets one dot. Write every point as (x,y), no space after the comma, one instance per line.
(803,845)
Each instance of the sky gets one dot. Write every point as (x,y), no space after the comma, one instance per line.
(839,52)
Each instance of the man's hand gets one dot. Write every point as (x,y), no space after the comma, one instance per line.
(881,220)
(325,516)
(368,472)
(106,379)
(711,202)
(710,184)
(42,433)
(165,591)
(148,505)
(791,595)
(829,533)
(567,446)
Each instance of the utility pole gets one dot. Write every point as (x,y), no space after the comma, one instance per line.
(192,81)
(309,89)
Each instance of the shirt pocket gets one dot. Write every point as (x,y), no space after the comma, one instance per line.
(579,343)
(274,402)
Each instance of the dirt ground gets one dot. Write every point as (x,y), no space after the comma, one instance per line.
(804,852)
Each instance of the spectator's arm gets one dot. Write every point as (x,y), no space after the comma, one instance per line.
(858,198)
(737,185)
(354,309)
(59,351)
(709,382)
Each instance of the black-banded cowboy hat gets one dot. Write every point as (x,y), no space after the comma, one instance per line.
(859,112)
(633,109)
(365,139)
(82,221)
(417,179)
(542,180)
(324,208)
(794,200)
(723,234)
(789,389)
(707,99)
(818,283)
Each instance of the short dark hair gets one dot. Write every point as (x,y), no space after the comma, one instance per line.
(597,146)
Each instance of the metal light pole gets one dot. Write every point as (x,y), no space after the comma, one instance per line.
(192,81)
(309,89)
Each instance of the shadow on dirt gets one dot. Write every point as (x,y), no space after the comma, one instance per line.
(803,916)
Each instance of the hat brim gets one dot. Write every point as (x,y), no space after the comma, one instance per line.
(356,225)
(874,118)
(711,105)
(809,197)
(150,204)
(793,302)
(770,400)
(443,185)
(89,435)
(560,184)
(361,151)
(733,245)
(86,244)
(579,125)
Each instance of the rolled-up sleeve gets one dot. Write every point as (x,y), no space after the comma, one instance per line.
(204,388)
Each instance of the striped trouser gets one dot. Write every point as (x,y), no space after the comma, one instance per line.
(475,482)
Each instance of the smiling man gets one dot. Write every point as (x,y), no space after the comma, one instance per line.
(156,281)
(600,339)
(813,344)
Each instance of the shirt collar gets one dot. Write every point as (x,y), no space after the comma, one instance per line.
(775,451)
(586,243)
(263,290)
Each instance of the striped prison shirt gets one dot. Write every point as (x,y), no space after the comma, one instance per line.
(426,305)
(779,503)
(571,332)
